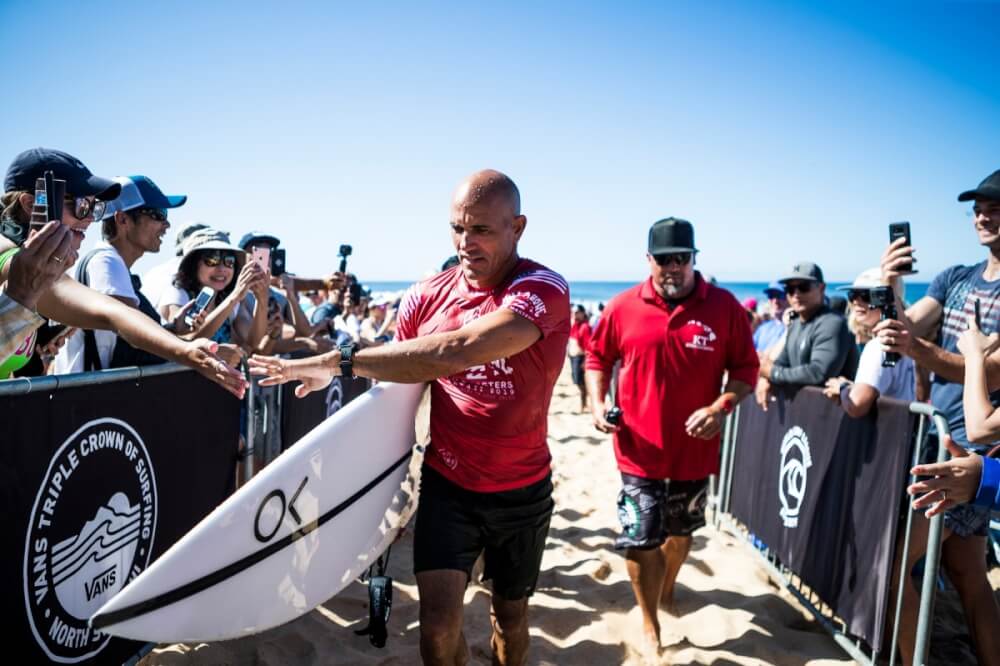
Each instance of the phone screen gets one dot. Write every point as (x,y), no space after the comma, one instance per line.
(262,257)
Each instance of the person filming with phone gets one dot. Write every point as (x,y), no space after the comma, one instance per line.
(66,300)
(929,332)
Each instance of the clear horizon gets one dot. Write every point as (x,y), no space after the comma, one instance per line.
(782,131)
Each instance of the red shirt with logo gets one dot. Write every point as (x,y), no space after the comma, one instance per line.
(489,423)
(673,362)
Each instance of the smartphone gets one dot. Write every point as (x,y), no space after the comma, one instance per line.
(262,257)
(278,262)
(977,314)
(55,191)
(902,230)
(200,303)
(40,208)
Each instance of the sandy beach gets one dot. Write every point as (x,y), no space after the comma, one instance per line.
(583,612)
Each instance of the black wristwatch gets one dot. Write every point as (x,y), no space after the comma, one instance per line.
(347,359)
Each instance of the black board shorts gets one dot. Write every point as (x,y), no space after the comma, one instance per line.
(650,510)
(455,525)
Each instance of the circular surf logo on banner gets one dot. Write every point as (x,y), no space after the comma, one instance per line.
(795,463)
(83,544)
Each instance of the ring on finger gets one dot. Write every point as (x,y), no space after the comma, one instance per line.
(56,259)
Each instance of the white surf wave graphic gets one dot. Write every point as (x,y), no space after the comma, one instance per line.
(90,567)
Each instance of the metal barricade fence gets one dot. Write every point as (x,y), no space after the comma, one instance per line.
(720,502)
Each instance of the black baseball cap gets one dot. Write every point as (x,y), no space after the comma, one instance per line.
(988,189)
(803,270)
(671,235)
(32,164)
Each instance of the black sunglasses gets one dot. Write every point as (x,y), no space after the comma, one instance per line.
(800,287)
(213,259)
(677,258)
(155,214)
(863,295)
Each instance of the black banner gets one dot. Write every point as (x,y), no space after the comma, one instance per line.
(823,491)
(97,482)
(300,415)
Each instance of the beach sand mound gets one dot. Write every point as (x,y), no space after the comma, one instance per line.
(728,610)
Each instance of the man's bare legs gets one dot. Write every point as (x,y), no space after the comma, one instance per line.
(675,551)
(647,569)
(510,631)
(964,558)
(442,595)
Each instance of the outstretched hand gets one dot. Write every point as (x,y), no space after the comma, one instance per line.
(314,372)
(973,341)
(202,355)
(954,481)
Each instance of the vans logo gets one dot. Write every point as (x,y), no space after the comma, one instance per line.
(82,549)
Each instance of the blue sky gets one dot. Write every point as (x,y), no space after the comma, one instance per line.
(783,131)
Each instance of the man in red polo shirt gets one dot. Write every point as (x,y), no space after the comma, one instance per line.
(491,334)
(677,337)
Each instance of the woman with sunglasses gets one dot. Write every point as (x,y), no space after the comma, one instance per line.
(210,260)
(872,380)
(68,301)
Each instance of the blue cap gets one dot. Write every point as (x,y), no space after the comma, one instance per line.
(32,164)
(141,192)
(775,287)
(259,236)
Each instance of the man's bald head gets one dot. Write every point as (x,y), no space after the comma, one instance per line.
(488,187)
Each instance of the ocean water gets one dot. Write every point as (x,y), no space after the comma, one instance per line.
(592,293)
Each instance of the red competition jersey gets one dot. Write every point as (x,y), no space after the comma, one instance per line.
(672,364)
(489,422)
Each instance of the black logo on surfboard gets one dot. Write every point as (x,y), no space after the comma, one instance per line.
(272,510)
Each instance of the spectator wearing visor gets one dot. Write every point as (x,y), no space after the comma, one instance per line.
(872,380)
(210,260)
(818,345)
(133,224)
(65,300)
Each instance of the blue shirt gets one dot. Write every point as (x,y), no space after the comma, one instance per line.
(957,289)
(767,334)
(989,485)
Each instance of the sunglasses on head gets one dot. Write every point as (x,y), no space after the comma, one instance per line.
(84,207)
(800,287)
(863,295)
(214,258)
(155,214)
(675,258)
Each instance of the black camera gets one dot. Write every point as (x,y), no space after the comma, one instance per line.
(883,298)
(613,415)
(344,253)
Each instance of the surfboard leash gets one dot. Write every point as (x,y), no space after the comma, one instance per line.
(379,601)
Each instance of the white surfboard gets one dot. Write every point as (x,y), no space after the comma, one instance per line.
(291,538)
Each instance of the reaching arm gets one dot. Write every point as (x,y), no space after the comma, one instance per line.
(71,303)
(497,335)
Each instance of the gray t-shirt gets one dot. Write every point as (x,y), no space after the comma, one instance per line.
(815,351)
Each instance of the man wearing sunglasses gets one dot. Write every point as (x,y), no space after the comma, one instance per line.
(818,345)
(133,224)
(676,337)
